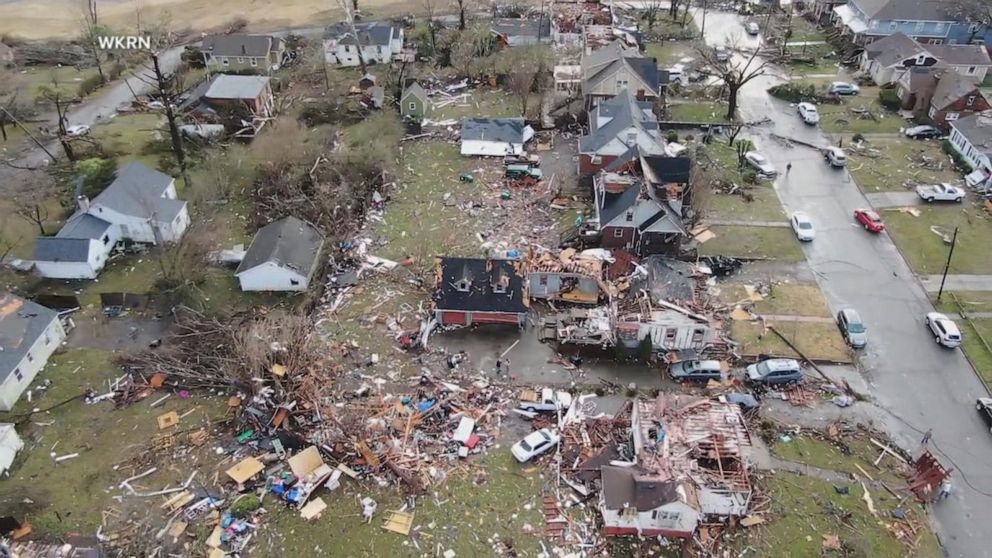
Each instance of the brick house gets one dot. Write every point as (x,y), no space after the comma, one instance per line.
(955,96)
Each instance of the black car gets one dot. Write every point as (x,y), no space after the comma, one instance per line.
(984,406)
(923,132)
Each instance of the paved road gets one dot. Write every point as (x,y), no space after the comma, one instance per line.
(920,384)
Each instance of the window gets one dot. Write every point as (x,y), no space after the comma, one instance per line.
(630,215)
(874,24)
(413,105)
(621,84)
(30,357)
(254,61)
(935,41)
(18,375)
(106,239)
(347,48)
(921,59)
(543,280)
(294,282)
(932,112)
(618,233)
(971,100)
(241,60)
(951,116)
(893,25)
(972,70)
(596,159)
(225,61)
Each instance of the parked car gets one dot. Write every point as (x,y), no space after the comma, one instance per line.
(752,28)
(984,406)
(852,328)
(945,331)
(808,112)
(922,132)
(803,226)
(844,88)
(722,54)
(523,171)
(760,163)
(774,371)
(695,370)
(870,220)
(545,399)
(835,156)
(77,130)
(534,444)
(940,192)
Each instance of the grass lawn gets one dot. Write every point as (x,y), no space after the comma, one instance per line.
(803,30)
(753,242)
(669,53)
(818,341)
(77,489)
(764,206)
(841,456)
(977,351)
(889,162)
(785,299)
(927,253)
(968,301)
(68,78)
(806,508)
(822,66)
(459,515)
(483,102)
(127,136)
(697,111)
(840,118)
(22,232)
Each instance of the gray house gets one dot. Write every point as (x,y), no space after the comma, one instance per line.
(29,334)
(243,52)
(414,102)
(283,256)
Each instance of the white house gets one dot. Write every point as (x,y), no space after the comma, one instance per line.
(495,137)
(886,59)
(140,205)
(971,137)
(29,334)
(634,502)
(379,42)
(10,444)
(283,256)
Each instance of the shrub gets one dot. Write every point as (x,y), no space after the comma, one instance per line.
(672,136)
(750,176)
(859,137)
(889,99)
(193,57)
(245,506)
(89,85)
(959,161)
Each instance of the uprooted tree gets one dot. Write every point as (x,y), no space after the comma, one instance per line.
(733,74)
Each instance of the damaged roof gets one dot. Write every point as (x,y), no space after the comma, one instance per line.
(648,213)
(952,87)
(626,487)
(509,130)
(625,113)
(226,86)
(961,55)
(374,33)
(288,243)
(602,64)
(893,48)
(479,276)
(22,322)
(665,170)
(522,27)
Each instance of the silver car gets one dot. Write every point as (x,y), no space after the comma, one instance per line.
(760,163)
(695,370)
(852,328)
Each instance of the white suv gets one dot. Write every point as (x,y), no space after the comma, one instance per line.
(945,331)
(808,113)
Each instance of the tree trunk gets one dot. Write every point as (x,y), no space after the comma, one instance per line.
(732,90)
(685,15)
(461,15)
(38,220)
(673,9)
(354,5)
(3,130)
(170,115)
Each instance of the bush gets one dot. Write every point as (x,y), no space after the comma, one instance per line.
(245,506)
(96,174)
(193,57)
(672,136)
(889,99)
(793,92)
(750,176)
(89,85)
(859,137)
(959,161)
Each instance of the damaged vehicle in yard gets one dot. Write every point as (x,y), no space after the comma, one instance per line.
(534,444)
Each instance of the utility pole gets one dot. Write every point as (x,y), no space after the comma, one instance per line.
(947,266)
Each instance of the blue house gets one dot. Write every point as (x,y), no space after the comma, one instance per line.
(929,22)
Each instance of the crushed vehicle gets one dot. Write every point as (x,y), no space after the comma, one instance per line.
(544,400)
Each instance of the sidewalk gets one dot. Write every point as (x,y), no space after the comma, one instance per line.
(881,200)
(721,223)
(957,283)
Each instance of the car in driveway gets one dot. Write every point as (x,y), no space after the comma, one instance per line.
(940,192)
(922,132)
(984,406)
(695,370)
(844,88)
(775,371)
(835,156)
(852,328)
(870,220)
(752,28)
(808,112)
(802,226)
(78,130)
(534,444)
(760,163)
(945,331)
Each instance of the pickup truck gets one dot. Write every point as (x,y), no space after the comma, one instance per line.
(544,399)
(940,192)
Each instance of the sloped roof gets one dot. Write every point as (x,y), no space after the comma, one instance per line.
(911,10)
(626,113)
(628,487)
(22,322)
(893,48)
(289,243)
(600,64)
(416,90)
(137,191)
(665,170)
(961,55)
(509,130)
(480,296)
(951,87)
(615,205)
(225,86)
(977,128)
(374,33)
(83,225)
(239,45)
(522,27)
(56,249)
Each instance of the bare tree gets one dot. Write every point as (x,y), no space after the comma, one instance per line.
(742,148)
(978,13)
(462,5)
(734,74)
(33,212)
(91,33)
(431,28)
(11,84)
(652,12)
(350,14)
(53,94)
(525,68)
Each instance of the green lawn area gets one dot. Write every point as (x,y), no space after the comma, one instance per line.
(483,102)
(803,30)
(669,53)
(77,489)
(822,66)
(764,206)
(886,163)
(927,253)
(818,341)
(840,118)
(785,299)
(697,111)
(21,232)
(753,242)
(459,515)
(968,301)
(841,456)
(976,329)
(806,508)
(67,77)
(127,136)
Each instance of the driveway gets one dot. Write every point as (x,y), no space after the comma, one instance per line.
(920,384)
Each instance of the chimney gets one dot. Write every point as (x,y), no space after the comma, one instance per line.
(631,139)
(83,203)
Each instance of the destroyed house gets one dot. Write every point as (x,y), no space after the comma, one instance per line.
(494,137)
(251,92)
(693,460)
(522,32)
(474,291)
(635,220)
(669,329)
(568,278)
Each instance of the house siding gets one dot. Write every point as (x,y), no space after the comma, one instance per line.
(347,55)
(683,525)
(417,110)
(627,238)
(959,109)
(972,156)
(98,254)
(925,32)
(271,277)
(40,352)
(491,148)
(262,64)
(463,318)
